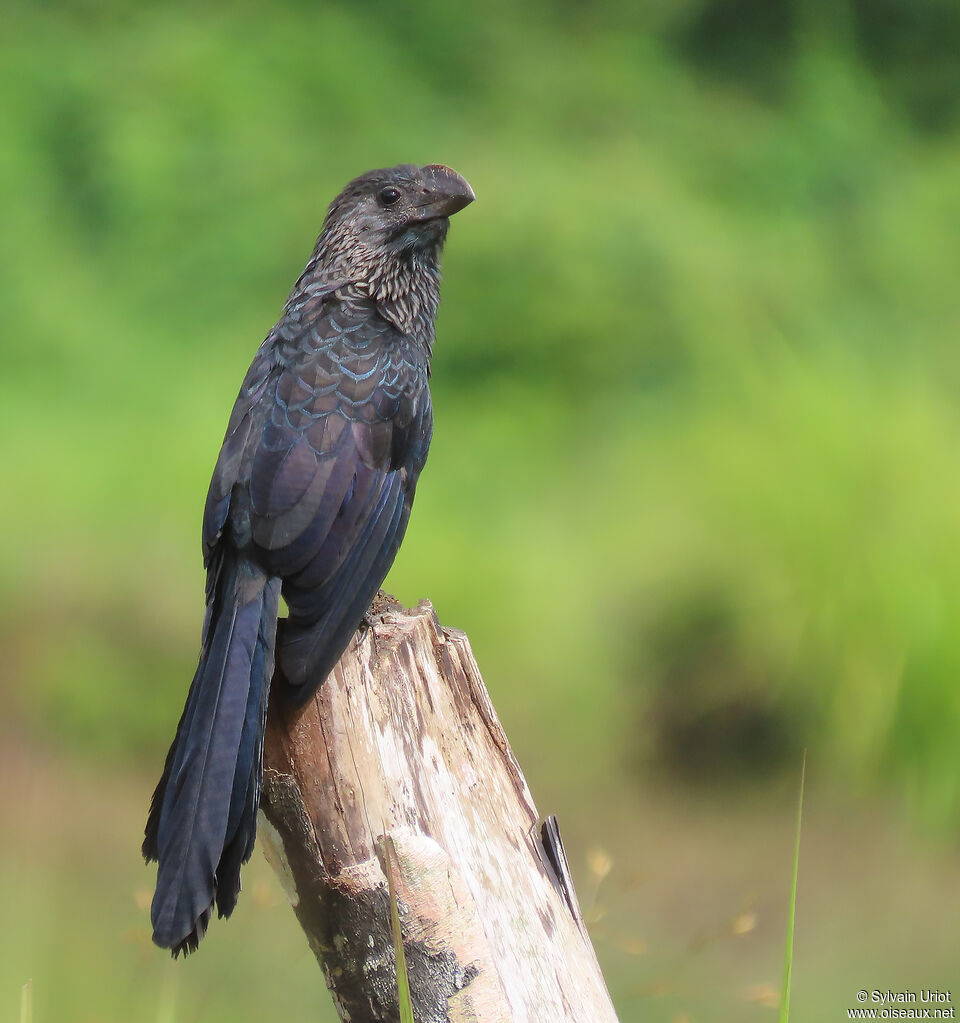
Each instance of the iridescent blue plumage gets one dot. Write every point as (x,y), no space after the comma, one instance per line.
(310,496)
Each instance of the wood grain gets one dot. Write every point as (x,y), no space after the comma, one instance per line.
(403,741)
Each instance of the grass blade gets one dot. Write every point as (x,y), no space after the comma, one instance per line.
(791,917)
(26,1002)
(403,980)
(167,997)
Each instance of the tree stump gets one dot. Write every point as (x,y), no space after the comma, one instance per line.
(402,743)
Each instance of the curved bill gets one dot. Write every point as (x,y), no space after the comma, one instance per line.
(445,192)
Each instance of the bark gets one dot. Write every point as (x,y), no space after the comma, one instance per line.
(402,743)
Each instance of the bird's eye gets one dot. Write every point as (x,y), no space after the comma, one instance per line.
(389,195)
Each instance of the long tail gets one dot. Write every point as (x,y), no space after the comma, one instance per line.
(203,816)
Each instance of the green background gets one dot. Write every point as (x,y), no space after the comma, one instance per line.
(693,494)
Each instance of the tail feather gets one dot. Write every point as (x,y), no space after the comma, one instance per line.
(245,799)
(202,821)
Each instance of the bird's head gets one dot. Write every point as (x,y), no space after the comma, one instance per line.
(398,213)
(381,240)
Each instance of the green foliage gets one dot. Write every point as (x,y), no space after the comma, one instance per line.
(697,348)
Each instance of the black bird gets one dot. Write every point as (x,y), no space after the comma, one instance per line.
(310,498)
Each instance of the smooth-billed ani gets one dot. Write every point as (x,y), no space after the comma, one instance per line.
(310,498)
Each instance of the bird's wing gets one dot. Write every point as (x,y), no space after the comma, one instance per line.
(330,485)
(246,422)
(245,429)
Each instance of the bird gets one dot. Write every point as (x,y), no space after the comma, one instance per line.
(310,498)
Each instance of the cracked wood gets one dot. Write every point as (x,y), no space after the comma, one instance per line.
(402,740)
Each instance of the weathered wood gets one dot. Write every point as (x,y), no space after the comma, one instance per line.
(403,741)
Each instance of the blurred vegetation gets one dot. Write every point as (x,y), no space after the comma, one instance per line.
(694,490)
